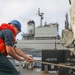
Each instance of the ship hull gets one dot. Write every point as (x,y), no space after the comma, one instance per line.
(39,44)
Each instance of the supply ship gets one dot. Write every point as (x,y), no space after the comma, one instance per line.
(41,37)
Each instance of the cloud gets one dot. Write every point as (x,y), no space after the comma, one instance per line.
(25,10)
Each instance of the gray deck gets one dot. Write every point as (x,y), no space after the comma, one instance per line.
(35,71)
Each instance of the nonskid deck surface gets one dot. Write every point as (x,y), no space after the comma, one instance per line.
(35,71)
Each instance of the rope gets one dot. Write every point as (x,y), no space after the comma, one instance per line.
(60,65)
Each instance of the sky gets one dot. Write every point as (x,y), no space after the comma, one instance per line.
(25,10)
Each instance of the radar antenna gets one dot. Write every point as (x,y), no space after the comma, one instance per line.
(41,16)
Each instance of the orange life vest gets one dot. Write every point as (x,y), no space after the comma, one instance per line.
(2,43)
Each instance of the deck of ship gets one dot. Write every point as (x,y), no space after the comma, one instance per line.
(35,71)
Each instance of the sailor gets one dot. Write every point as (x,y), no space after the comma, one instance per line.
(8,32)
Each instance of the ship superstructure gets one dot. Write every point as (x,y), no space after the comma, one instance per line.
(48,31)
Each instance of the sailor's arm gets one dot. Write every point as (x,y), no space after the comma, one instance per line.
(22,54)
(10,51)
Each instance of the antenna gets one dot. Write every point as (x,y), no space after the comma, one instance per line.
(41,16)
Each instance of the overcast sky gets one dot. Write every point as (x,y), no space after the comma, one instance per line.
(25,10)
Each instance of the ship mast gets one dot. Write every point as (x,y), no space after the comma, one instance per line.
(66,22)
(41,16)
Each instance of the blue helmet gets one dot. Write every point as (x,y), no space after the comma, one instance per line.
(16,23)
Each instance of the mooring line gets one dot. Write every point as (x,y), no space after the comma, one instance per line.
(60,65)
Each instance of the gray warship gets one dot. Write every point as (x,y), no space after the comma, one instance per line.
(41,37)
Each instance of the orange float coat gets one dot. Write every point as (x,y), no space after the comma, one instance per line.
(2,43)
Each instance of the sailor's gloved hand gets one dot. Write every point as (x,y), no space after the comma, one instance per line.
(22,59)
(29,59)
